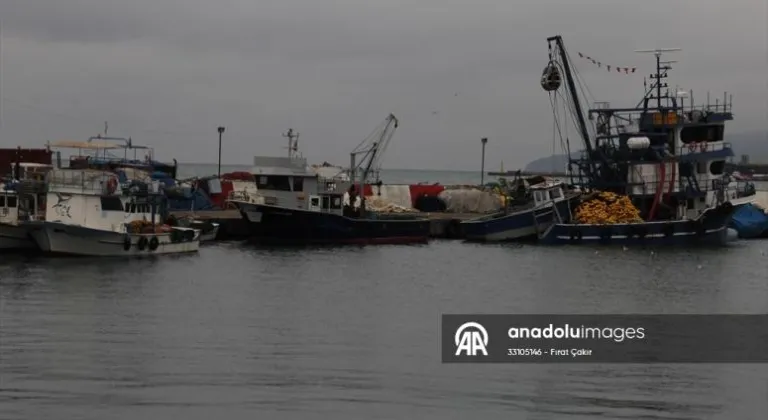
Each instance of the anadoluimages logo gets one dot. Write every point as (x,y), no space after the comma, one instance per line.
(471,338)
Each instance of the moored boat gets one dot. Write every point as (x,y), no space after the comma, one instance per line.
(314,210)
(525,217)
(22,199)
(88,214)
(664,160)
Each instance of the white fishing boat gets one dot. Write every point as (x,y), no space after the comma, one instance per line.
(21,200)
(88,213)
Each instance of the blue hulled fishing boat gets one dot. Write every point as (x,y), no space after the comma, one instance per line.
(523,216)
(318,210)
(668,158)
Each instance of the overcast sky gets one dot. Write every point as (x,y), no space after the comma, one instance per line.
(168,72)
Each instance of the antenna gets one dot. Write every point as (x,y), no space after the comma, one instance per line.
(661,68)
(106,128)
(293,141)
(659,51)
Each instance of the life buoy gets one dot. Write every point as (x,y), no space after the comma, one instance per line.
(691,147)
(142,244)
(127,243)
(111,185)
(153,243)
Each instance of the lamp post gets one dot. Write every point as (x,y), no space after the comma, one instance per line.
(221,131)
(483,141)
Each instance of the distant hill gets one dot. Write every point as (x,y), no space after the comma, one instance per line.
(754,144)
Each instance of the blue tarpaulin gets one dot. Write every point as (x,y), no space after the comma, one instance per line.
(749,221)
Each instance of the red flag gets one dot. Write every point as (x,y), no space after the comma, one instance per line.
(609,67)
(618,69)
(581,55)
(626,70)
(599,64)
(633,69)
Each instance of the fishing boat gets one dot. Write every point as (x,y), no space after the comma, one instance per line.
(89,213)
(523,217)
(208,230)
(667,158)
(313,210)
(22,198)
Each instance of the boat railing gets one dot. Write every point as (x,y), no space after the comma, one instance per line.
(703,147)
(82,181)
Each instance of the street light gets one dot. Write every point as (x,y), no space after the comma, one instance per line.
(483,141)
(221,131)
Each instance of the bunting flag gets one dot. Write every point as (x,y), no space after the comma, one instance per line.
(608,67)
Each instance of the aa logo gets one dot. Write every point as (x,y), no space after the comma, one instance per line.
(470,339)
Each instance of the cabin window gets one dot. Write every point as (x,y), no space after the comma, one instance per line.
(326,202)
(2,201)
(336,203)
(111,204)
(717,167)
(702,133)
(273,182)
(555,193)
(8,201)
(298,183)
(701,167)
(314,201)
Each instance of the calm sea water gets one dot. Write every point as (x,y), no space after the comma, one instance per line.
(239,332)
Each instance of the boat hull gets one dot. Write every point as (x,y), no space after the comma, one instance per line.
(15,237)
(270,224)
(59,238)
(514,226)
(211,234)
(711,228)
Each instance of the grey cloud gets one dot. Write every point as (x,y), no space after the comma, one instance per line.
(168,69)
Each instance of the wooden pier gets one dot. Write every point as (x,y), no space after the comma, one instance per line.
(442,225)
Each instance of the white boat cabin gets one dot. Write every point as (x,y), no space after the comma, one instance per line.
(93,199)
(9,207)
(283,181)
(547,193)
(22,200)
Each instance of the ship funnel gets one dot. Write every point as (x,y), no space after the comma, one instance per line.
(551,79)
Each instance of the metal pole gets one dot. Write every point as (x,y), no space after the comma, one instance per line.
(221,131)
(483,141)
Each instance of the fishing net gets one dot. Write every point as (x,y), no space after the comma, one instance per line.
(470,201)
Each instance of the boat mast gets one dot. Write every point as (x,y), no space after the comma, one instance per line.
(293,142)
(572,88)
(371,153)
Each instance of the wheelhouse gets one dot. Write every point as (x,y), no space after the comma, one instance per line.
(547,193)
